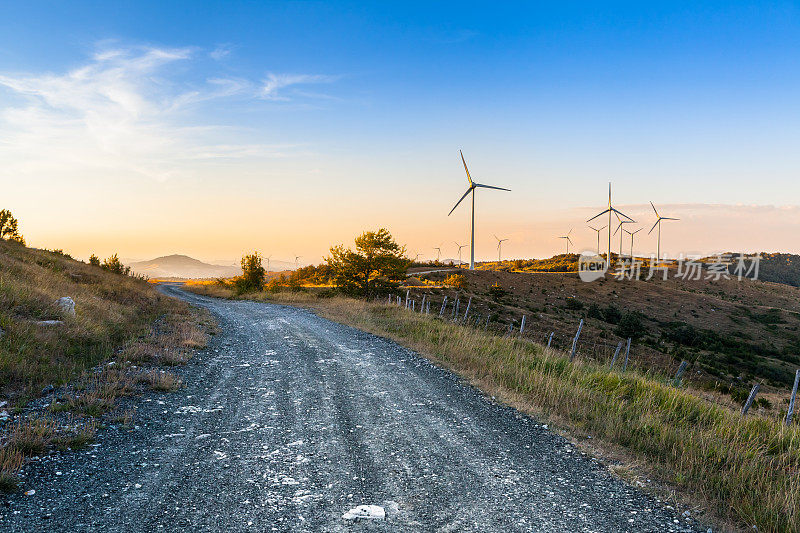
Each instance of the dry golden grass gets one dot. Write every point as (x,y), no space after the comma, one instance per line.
(161,380)
(10,463)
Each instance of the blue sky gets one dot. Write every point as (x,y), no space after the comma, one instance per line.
(299,124)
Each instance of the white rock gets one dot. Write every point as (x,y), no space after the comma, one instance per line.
(30,492)
(49,322)
(66,305)
(367,512)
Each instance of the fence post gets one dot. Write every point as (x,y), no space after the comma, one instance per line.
(510,329)
(428,308)
(390,299)
(750,398)
(407,293)
(413,305)
(486,326)
(575,341)
(681,369)
(616,353)
(444,304)
(522,326)
(551,338)
(627,350)
(455,308)
(794,395)
(466,313)
(422,305)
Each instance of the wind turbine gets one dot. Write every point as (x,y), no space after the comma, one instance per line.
(499,244)
(568,241)
(460,246)
(632,233)
(438,253)
(297,261)
(659,218)
(598,230)
(610,209)
(619,226)
(268,258)
(471,189)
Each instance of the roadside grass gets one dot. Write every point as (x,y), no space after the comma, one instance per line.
(744,469)
(123,329)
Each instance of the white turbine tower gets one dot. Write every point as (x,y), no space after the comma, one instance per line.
(499,245)
(619,226)
(632,233)
(297,261)
(460,246)
(268,258)
(597,230)
(659,218)
(610,209)
(567,240)
(471,189)
(438,253)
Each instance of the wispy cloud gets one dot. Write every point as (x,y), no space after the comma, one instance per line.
(276,82)
(127,110)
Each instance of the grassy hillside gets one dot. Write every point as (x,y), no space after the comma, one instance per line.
(120,321)
(110,309)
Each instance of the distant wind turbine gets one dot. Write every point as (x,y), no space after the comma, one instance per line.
(268,258)
(471,189)
(659,218)
(438,253)
(297,261)
(598,230)
(632,233)
(619,226)
(499,245)
(610,209)
(460,246)
(567,240)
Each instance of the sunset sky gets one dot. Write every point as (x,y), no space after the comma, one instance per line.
(214,128)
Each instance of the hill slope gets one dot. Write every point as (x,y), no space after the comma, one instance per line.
(182,266)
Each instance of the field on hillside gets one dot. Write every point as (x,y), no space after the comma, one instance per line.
(734,333)
(111,309)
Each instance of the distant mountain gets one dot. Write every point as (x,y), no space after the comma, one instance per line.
(182,266)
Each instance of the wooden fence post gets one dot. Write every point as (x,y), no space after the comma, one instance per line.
(750,399)
(413,305)
(627,350)
(550,339)
(522,326)
(681,369)
(616,353)
(444,304)
(422,305)
(575,341)
(455,309)
(791,400)
(428,308)
(486,326)
(466,313)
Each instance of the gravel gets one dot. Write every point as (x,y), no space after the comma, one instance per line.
(289,421)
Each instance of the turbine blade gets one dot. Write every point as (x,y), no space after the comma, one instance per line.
(465,167)
(654,209)
(604,227)
(598,215)
(570,240)
(654,226)
(668,218)
(618,227)
(623,214)
(489,187)
(462,199)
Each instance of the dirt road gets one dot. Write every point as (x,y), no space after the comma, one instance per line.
(289,420)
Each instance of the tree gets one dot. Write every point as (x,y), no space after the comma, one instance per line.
(253,274)
(377,265)
(9,227)
(113,264)
(94,260)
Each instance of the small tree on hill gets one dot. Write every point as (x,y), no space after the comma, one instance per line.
(377,265)
(94,260)
(113,264)
(9,227)
(253,273)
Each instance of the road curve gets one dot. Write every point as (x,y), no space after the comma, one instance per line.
(289,420)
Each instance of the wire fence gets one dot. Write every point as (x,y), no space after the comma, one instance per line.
(618,354)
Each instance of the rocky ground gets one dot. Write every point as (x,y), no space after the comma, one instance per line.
(288,422)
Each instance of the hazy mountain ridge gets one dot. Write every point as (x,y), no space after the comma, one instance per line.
(185,267)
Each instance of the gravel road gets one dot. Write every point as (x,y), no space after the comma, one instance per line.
(289,420)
